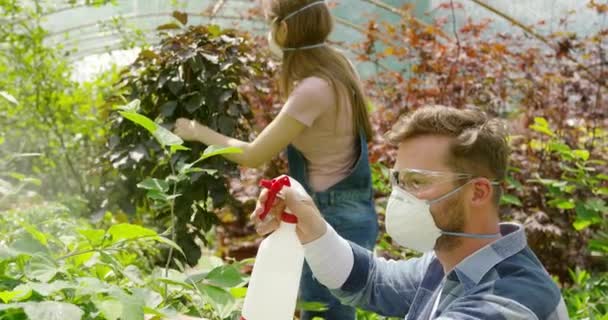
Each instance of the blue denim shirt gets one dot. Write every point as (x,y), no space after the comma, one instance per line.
(503,280)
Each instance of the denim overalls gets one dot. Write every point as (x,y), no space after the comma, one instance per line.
(349,208)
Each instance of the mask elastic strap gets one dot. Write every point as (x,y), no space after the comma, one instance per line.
(302,9)
(472,235)
(447,194)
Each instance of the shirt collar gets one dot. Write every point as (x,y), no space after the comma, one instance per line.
(474,267)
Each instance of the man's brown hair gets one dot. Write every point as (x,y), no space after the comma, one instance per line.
(479,145)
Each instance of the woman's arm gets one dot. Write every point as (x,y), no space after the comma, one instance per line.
(307,102)
(274,138)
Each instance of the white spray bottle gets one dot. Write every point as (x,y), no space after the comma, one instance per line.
(273,288)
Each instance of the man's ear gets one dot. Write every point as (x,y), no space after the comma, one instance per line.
(482,192)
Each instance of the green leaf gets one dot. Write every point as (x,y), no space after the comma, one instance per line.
(27,244)
(311,306)
(238,293)
(168,26)
(8,253)
(91,286)
(171,244)
(225,276)
(601,191)
(46,289)
(207,263)
(510,199)
(221,300)
(182,17)
(132,305)
(8,296)
(140,120)
(94,236)
(162,135)
(214,30)
(152,299)
(562,203)
(178,147)
(168,108)
(154,184)
(559,147)
(581,154)
(11,306)
(126,231)
(541,125)
(132,106)
(41,268)
(134,274)
(110,308)
(214,150)
(166,137)
(8,97)
(579,224)
(34,232)
(515,183)
(597,205)
(52,310)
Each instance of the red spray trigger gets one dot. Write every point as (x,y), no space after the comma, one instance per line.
(274,186)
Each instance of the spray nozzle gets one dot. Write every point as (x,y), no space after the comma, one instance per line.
(274,186)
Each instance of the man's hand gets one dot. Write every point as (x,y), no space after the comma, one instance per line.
(310,226)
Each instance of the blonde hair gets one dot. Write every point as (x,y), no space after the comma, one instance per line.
(309,27)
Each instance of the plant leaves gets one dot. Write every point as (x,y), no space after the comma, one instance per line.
(132,106)
(225,276)
(168,26)
(134,274)
(562,203)
(8,97)
(171,244)
(154,184)
(94,236)
(215,150)
(27,244)
(45,289)
(52,310)
(41,268)
(8,296)
(110,308)
(581,154)
(162,135)
(125,231)
(35,233)
(182,17)
(140,120)
(168,108)
(221,300)
(541,125)
(510,199)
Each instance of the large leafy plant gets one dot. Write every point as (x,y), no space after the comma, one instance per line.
(194,74)
(54,266)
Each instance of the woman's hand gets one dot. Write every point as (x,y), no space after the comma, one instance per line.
(187,129)
(310,226)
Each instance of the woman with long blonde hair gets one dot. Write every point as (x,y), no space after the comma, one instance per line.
(325,127)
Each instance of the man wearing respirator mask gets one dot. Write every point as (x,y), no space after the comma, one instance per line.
(444,203)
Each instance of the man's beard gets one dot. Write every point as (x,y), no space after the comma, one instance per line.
(455,217)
